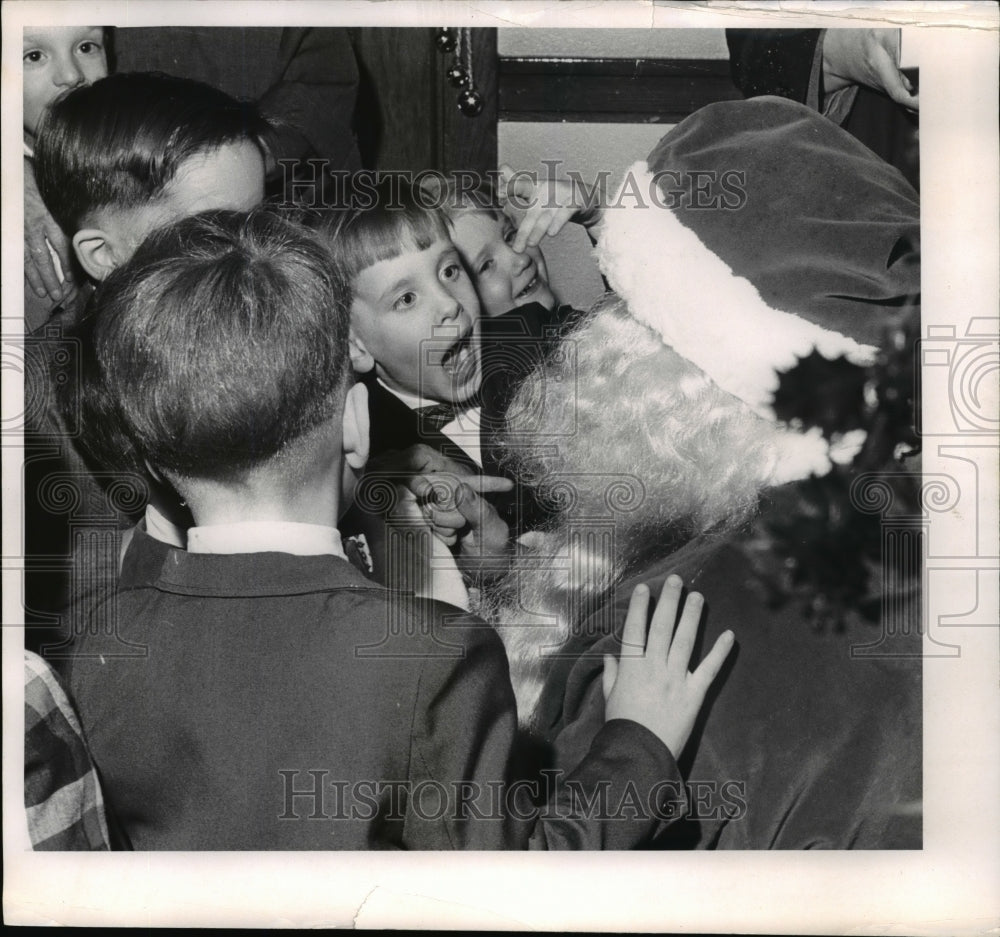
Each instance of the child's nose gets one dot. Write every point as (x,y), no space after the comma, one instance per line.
(69,73)
(449,305)
(521,262)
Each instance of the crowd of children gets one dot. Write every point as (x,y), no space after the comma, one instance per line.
(279,686)
(282,651)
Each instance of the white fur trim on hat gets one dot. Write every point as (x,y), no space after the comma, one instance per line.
(674,284)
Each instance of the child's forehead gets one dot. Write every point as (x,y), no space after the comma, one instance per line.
(410,267)
(59,35)
(485,216)
(478,227)
(225,178)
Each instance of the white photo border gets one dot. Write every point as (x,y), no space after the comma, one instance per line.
(948,887)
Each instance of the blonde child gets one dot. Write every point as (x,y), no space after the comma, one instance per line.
(55,60)
(498,233)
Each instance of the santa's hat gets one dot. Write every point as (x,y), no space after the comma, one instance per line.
(824,253)
(716,320)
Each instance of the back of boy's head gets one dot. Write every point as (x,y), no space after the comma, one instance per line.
(387,219)
(222,342)
(119,142)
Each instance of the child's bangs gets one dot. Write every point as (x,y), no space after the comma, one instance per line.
(384,235)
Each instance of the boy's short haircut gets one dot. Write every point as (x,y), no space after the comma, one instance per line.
(394,220)
(119,142)
(222,341)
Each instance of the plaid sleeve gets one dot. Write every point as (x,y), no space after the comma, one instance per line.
(62,793)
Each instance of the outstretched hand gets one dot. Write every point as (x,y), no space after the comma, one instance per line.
(650,683)
(867,57)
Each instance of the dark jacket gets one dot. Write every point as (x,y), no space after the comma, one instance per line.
(286,702)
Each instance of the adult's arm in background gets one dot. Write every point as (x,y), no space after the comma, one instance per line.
(821,68)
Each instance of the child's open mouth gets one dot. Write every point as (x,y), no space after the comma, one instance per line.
(532,283)
(457,359)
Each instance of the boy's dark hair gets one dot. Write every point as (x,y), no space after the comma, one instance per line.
(119,141)
(222,341)
(390,220)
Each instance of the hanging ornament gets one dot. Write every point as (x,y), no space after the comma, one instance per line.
(444,39)
(459,41)
(470,102)
(457,77)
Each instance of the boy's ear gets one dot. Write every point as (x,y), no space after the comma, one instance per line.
(361,358)
(154,473)
(95,252)
(356,427)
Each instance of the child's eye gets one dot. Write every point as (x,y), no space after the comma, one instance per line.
(88,47)
(405,301)
(509,234)
(33,57)
(486,266)
(451,272)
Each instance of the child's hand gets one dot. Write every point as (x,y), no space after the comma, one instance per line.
(458,515)
(434,481)
(419,459)
(544,207)
(435,491)
(653,686)
(40,227)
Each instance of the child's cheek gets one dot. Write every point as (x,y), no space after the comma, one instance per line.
(493,300)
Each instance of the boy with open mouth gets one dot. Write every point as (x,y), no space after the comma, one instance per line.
(415,323)
(415,341)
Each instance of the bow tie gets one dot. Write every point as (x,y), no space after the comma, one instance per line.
(438,415)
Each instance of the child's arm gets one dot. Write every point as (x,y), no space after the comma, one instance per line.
(621,795)
(545,206)
(437,528)
(417,560)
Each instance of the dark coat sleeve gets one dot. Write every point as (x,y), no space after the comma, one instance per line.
(313,97)
(465,744)
(73,508)
(774,61)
